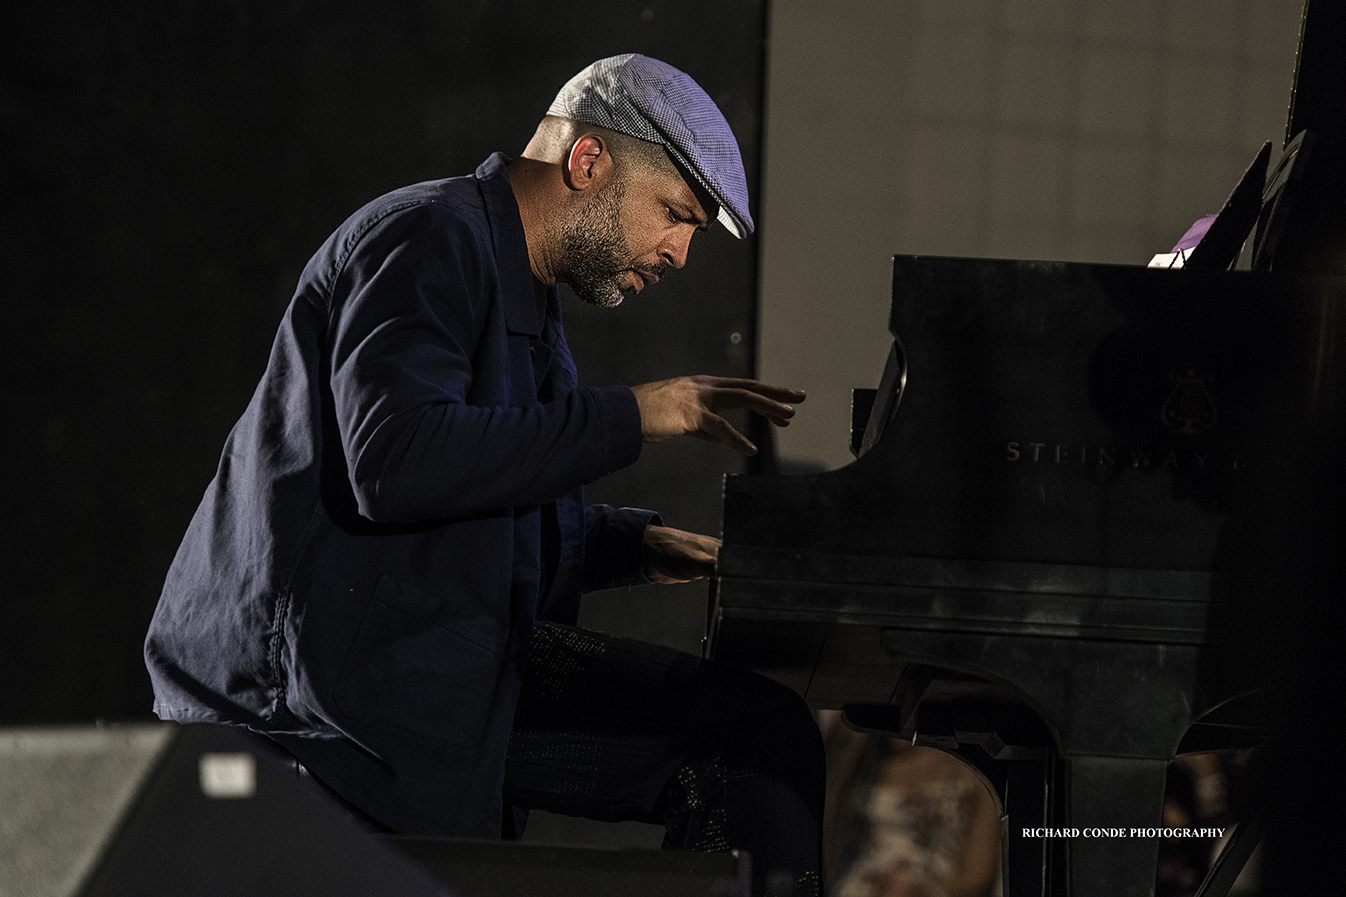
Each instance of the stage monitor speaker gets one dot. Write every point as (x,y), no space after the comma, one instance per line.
(162,809)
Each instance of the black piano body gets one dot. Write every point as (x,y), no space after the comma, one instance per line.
(1075,495)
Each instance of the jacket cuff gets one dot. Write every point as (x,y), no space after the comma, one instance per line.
(615,546)
(619,423)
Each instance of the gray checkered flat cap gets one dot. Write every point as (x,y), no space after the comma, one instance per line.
(651,100)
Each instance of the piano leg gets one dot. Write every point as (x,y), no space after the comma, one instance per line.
(1115,814)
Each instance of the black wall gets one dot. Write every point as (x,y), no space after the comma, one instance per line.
(168,167)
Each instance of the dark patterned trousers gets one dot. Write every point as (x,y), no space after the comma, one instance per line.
(616,729)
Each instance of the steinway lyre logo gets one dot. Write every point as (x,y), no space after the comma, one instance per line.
(1189,409)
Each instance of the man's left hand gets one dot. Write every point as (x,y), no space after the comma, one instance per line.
(674,555)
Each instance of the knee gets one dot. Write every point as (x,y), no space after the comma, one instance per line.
(769,720)
(793,714)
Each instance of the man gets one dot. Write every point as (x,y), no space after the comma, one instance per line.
(384,574)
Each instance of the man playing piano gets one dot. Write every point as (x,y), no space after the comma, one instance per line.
(384,574)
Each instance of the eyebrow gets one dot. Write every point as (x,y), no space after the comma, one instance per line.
(686,213)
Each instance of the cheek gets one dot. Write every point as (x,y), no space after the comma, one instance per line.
(642,241)
(645,226)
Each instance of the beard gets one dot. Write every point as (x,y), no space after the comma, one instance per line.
(596,255)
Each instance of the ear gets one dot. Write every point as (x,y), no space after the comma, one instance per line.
(588,163)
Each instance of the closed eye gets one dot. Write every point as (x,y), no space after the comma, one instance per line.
(678,218)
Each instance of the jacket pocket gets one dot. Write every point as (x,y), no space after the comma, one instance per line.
(418,676)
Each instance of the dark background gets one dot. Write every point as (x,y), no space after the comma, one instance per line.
(168,167)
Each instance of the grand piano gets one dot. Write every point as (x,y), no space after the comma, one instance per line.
(1095,515)
(1048,554)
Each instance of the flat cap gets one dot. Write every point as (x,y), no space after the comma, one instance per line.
(652,101)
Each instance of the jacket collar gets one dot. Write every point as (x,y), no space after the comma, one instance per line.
(524,296)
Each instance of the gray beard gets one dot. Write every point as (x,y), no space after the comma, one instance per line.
(594,251)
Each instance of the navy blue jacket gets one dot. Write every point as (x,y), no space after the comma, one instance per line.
(397,505)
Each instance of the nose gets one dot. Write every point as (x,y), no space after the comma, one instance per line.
(674,250)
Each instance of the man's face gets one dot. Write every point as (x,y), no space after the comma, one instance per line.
(628,234)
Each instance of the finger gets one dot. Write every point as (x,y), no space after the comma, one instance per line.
(717,429)
(778,393)
(728,399)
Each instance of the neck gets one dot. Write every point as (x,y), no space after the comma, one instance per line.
(533,183)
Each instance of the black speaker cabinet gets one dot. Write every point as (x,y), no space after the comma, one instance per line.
(508,869)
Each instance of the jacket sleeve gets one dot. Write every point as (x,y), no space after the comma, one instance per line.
(614,540)
(409,305)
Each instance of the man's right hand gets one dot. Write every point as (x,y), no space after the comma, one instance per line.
(692,406)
